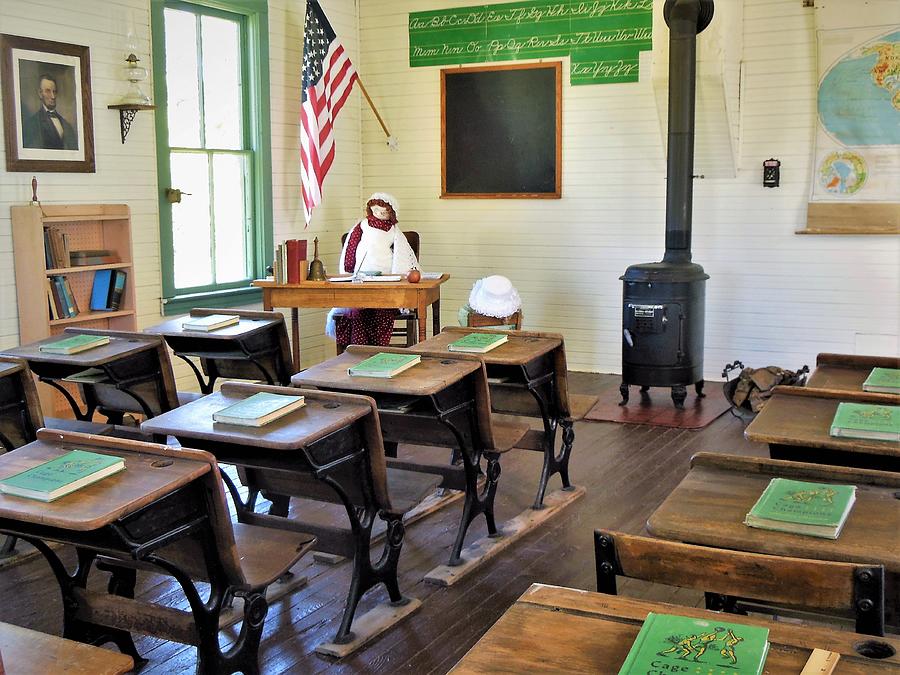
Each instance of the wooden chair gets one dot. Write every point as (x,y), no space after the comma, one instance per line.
(186,534)
(475,320)
(726,575)
(410,314)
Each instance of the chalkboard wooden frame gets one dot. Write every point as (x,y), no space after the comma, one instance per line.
(454,155)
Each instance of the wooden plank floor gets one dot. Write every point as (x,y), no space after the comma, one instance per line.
(627,470)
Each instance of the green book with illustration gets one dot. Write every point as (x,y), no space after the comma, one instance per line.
(668,643)
(259,409)
(867,420)
(478,343)
(884,380)
(74,344)
(60,476)
(799,507)
(384,364)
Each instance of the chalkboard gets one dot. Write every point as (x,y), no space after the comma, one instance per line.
(501,131)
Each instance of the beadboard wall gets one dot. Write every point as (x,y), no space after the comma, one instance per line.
(127,173)
(774,297)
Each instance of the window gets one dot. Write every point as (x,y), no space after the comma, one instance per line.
(214,164)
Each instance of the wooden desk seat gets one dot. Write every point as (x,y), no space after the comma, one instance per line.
(166,510)
(725,576)
(20,407)
(409,488)
(507,433)
(28,652)
(846,372)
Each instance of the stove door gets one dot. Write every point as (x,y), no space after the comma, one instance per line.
(652,334)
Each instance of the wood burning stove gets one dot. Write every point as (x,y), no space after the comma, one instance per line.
(663,303)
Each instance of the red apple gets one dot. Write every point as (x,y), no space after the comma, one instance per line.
(414,276)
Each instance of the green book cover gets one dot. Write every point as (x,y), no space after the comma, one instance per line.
(797,501)
(261,407)
(75,344)
(679,644)
(62,475)
(477,342)
(384,364)
(867,420)
(885,380)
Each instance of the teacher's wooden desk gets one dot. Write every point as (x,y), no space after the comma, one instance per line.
(563,630)
(796,423)
(328,450)
(369,294)
(846,372)
(708,507)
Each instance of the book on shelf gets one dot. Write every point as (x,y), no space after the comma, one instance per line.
(478,343)
(867,420)
(64,299)
(74,344)
(56,248)
(800,507)
(884,380)
(384,364)
(669,643)
(205,324)
(295,255)
(87,376)
(100,290)
(100,256)
(51,302)
(62,475)
(259,409)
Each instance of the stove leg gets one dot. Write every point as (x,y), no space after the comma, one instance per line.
(623,390)
(698,387)
(679,393)
(645,396)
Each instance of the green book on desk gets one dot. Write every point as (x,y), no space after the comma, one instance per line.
(867,420)
(61,476)
(477,343)
(384,364)
(668,643)
(884,380)
(799,507)
(74,344)
(259,409)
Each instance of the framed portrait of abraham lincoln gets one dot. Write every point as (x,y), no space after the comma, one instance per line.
(47,115)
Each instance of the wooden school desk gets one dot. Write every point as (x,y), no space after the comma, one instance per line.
(119,360)
(796,423)
(563,630)
(445,403)
(29,652)
(166,511)
(708,507)
(255,348)
(20,408)
(328,450)
(846,371)
(527,375)
(370,294)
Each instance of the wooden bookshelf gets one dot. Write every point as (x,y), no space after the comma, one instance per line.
(86,226)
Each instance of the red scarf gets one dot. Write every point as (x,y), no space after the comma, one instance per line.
(356,235)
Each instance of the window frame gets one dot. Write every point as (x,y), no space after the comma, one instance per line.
(257,132)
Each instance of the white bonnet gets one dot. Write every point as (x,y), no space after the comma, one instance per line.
(385,197)
(495,296)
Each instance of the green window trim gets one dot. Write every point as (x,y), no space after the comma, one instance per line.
(259,127)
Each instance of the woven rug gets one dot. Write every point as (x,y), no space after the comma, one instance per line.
(657,408)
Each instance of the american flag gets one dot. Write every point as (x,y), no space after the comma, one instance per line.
(328,78)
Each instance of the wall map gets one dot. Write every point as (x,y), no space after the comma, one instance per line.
(602,37)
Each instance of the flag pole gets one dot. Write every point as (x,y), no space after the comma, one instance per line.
(372,106)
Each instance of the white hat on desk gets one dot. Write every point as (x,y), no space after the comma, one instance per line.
(494,296)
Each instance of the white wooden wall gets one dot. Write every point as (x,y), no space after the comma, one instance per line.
(773,297)
(127,173)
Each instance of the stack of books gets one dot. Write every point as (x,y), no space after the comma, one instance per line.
(259,409)
(61,301)
(867,420)
(60,476)
(108,290)
(384,365)
(100,256)
(883,380)
(478,343)
(290,262)
(668,643)
(799,507)
(74,344)
(206,324)
(56,248)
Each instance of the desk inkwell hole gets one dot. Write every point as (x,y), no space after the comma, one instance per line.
(331,405)
(161,463)
(447,362)
(874,649)
(531,339)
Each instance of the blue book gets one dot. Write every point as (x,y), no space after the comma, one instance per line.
(100,290)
